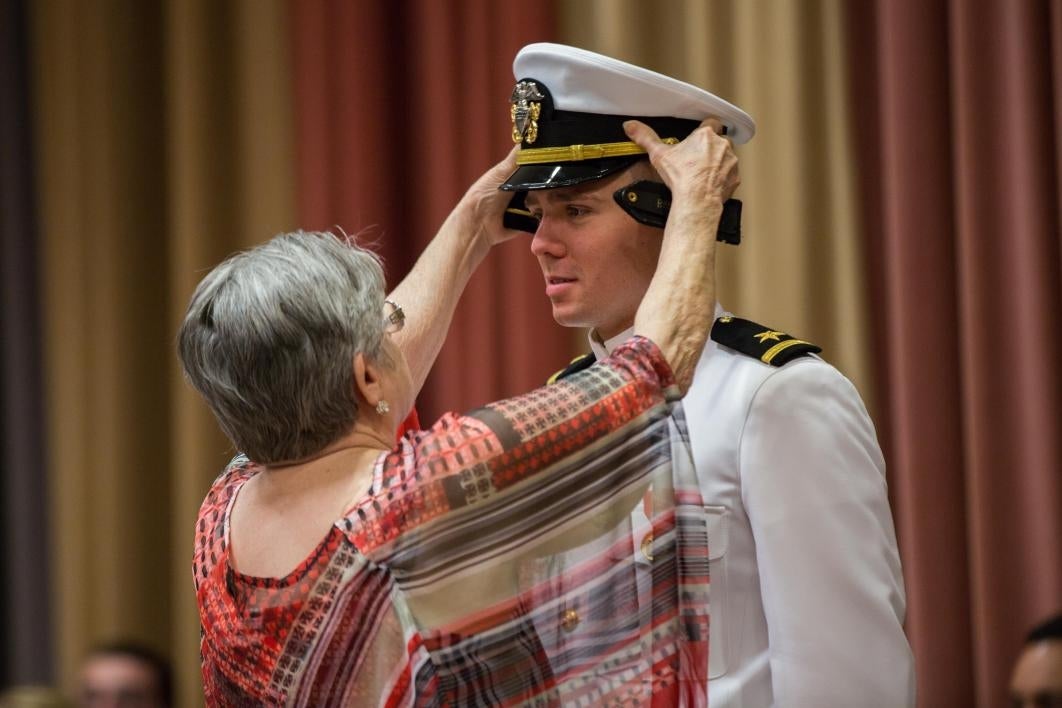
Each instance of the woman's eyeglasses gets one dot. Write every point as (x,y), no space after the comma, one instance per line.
(394,317)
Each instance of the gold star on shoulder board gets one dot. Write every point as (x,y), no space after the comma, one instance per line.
(760,341)
(769,334)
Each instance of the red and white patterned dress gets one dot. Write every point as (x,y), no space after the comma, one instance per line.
(430,590)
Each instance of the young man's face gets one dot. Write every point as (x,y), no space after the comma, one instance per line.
(597,260)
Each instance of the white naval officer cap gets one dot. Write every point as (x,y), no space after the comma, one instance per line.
(568,108)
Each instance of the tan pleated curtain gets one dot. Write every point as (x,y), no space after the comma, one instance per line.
(165,143)
(799,266)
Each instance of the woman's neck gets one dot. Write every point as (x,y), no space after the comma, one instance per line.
(355,450)
(359,438)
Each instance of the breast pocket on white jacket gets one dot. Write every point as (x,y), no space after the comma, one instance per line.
(717,517)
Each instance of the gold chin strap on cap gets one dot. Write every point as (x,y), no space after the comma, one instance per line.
(578,153)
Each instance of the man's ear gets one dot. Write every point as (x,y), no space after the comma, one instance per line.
(367,380)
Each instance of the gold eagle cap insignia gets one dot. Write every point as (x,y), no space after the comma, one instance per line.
(525,110)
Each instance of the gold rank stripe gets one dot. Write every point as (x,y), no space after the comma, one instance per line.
(779,348)
(577,153)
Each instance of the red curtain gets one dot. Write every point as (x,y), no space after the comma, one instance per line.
(400,106)
(958,106)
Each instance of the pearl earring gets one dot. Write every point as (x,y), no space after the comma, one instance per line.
(382,407)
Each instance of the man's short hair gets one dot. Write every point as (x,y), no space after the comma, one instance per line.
(1046,631)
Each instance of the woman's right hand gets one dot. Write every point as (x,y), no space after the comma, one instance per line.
(702,169)
(679,305)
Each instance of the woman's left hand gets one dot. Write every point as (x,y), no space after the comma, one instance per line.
(485,204)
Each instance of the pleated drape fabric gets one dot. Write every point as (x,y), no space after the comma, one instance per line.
(902,210)
(960,133)
(163,144)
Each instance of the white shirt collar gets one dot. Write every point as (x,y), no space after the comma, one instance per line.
(602,349)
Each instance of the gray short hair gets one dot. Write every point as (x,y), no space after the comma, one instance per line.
(269,341)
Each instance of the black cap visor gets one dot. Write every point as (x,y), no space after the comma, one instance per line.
(565,174)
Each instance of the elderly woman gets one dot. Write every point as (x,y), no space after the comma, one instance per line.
(333,566)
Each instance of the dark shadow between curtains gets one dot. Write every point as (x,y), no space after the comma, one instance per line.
(25,643)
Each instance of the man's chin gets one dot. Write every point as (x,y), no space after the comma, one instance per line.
(567,316)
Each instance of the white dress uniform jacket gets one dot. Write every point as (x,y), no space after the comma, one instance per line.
(807,597)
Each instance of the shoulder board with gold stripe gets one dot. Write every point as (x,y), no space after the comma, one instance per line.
(763,343)
(579,363)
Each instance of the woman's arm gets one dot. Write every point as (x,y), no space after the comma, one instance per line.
(679,306)
(514,458)
(430,292)
(458,507)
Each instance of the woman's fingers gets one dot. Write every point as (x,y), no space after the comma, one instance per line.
(645,137)
(713,124)
(703,157)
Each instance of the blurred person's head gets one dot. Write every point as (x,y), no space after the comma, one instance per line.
(284,342)
(124,675)
(1037,678)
